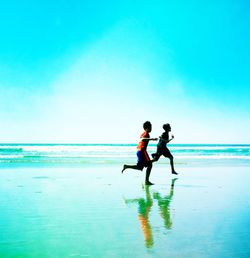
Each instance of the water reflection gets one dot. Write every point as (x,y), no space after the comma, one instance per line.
(145,205)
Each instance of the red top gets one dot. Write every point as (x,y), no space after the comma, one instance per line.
(142,145)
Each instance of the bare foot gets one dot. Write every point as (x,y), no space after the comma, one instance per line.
(124,167)
(148,183)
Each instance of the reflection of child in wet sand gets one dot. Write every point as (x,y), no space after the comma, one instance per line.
(144,208)
(163,203)
(143,216)
(162,147)
(142,155)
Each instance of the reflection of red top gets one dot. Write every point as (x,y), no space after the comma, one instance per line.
(142,145)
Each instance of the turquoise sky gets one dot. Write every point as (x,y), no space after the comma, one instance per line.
(94,71)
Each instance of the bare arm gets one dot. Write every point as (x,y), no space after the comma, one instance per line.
(167,141)
(148,139)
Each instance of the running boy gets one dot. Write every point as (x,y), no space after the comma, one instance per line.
(142,155)
(162,147)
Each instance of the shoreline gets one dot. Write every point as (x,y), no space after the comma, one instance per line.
(89,155)
(94,162)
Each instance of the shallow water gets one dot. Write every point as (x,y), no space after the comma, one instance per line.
(99,212)
(29,155)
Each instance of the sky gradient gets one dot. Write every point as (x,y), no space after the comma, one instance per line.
(94,71)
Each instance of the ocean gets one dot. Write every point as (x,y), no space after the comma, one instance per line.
(99,154)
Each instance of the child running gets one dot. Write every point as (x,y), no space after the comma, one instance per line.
(162,147)
(142,155)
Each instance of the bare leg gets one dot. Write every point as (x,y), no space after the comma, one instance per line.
(156,157)
(172,166)
(130,166)
(148,171)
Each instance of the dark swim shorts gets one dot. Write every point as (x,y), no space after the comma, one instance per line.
(162,151)
(143,159)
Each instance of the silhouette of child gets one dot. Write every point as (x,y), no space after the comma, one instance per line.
(162,147)
(142,155)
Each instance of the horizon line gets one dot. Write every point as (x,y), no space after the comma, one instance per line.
(106,143)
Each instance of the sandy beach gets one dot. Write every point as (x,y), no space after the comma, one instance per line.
(99,212)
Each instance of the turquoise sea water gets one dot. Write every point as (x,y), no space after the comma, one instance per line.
(84,154)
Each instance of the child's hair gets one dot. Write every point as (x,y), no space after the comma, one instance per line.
(146,125)
(166,127)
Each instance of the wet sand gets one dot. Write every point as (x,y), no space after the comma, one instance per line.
(99,212)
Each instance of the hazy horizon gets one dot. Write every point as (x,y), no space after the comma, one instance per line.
(121,143)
